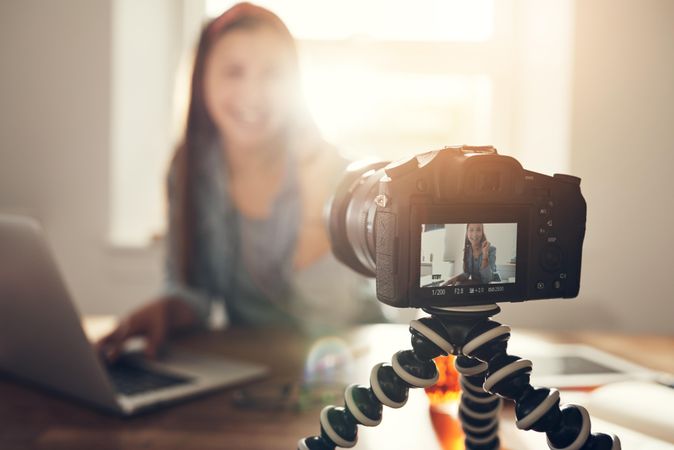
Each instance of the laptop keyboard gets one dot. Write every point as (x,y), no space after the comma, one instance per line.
(131,380)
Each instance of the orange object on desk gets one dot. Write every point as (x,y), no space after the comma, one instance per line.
(447,389)
(444,396)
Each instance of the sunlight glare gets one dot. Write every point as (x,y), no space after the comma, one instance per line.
(421,20)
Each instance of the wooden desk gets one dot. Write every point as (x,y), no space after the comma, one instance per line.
(33,419)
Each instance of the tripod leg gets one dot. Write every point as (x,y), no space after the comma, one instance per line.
(478,410)
(567,428)
(389,385)
(483,342)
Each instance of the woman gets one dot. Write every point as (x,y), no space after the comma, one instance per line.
(479,258)
(246,193)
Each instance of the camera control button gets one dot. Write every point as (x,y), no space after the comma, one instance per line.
(557,284)
(551,258)
(542,230)
(381,200)
(540,285)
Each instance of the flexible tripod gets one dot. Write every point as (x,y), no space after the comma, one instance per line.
(488,374)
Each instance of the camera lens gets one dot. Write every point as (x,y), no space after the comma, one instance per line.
(351,216)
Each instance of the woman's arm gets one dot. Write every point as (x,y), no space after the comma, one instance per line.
(318,177)
(460,278)
(174,287)
(488,265)
(153,321)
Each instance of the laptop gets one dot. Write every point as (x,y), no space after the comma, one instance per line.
(42,340)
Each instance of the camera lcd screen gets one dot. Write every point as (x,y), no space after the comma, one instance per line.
(478,255)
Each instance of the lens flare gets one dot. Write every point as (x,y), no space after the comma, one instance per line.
(329,360)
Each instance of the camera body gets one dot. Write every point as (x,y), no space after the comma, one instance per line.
(461,226)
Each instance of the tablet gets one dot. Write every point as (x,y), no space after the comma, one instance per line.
(575,366)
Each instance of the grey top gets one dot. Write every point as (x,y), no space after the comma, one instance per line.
(476,272)
(247,264)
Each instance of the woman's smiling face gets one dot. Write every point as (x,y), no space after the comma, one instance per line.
(248,85)
(474,233)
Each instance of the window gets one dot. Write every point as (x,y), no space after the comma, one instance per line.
(382,79)
(373,67)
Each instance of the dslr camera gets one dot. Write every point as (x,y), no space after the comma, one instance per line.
(459,226)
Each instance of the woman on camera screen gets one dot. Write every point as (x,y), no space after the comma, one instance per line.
(479,258)
(246,190)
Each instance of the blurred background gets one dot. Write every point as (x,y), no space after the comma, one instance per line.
(92,97)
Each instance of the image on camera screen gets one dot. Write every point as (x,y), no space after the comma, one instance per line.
(457,254)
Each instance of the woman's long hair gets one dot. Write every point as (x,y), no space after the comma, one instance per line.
(467,246)
(200,130)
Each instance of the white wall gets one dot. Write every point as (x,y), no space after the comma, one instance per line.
(623,148)
(503,236)
(146,44)
(55,82)
(543,40)
(433,250)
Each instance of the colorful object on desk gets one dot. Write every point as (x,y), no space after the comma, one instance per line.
(329,361)
(447,427)
(443,410)
(447,389)
(288,396)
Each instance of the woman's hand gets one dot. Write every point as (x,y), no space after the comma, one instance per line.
(450,282)
(485,249)
(315,190)
(454,280)
(154,321)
